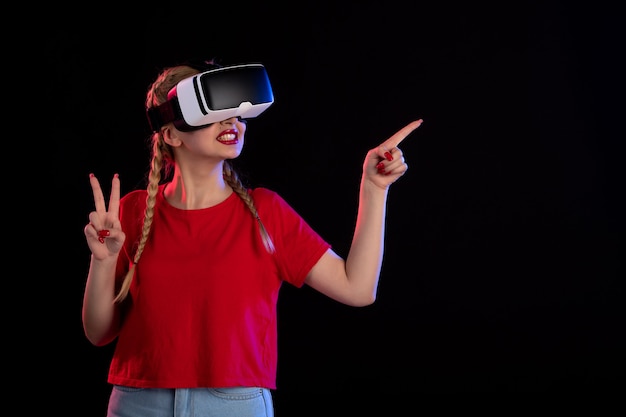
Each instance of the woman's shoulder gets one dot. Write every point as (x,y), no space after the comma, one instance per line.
(136,199)
(271,201)
(265,196)
(264,193)
(134,196)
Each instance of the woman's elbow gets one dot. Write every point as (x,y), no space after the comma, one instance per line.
(99,338)
(363,300)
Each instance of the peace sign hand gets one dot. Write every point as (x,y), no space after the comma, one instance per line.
(385,163)
(104,232)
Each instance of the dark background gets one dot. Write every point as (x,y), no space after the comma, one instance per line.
(504,263)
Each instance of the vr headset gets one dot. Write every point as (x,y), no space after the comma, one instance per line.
(214,95)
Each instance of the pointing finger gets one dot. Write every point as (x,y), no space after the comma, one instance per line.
(399,136)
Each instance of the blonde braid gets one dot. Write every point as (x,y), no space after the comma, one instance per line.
(156,95)
(231,177)
(154,177)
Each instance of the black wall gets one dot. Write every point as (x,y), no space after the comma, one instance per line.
(504,265)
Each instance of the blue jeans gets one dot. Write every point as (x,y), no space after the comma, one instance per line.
(186,402)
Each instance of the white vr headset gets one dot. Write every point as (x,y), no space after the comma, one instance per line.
(214,95)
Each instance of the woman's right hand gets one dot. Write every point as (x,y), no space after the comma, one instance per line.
(104,232)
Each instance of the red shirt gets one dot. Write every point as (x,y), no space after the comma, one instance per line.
(202,305)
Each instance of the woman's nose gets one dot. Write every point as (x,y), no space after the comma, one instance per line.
(230,120)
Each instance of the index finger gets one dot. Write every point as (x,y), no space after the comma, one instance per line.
(399,136)
(98,197)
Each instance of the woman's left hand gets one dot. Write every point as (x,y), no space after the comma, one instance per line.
(385,163)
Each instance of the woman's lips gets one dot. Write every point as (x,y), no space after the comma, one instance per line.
(228,137)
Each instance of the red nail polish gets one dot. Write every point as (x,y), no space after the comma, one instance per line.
(101,239)
(103,233)
(388,156)
(380,166)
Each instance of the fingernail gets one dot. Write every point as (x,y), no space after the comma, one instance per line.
(388,156)
(380,166)
(101,239)
(103,233)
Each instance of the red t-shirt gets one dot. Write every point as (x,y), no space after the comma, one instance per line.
(202,305)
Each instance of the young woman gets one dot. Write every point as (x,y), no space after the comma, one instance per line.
(185,274)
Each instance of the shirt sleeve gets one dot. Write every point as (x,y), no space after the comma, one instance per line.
(298,245)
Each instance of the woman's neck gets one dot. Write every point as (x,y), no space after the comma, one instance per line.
(196,191)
